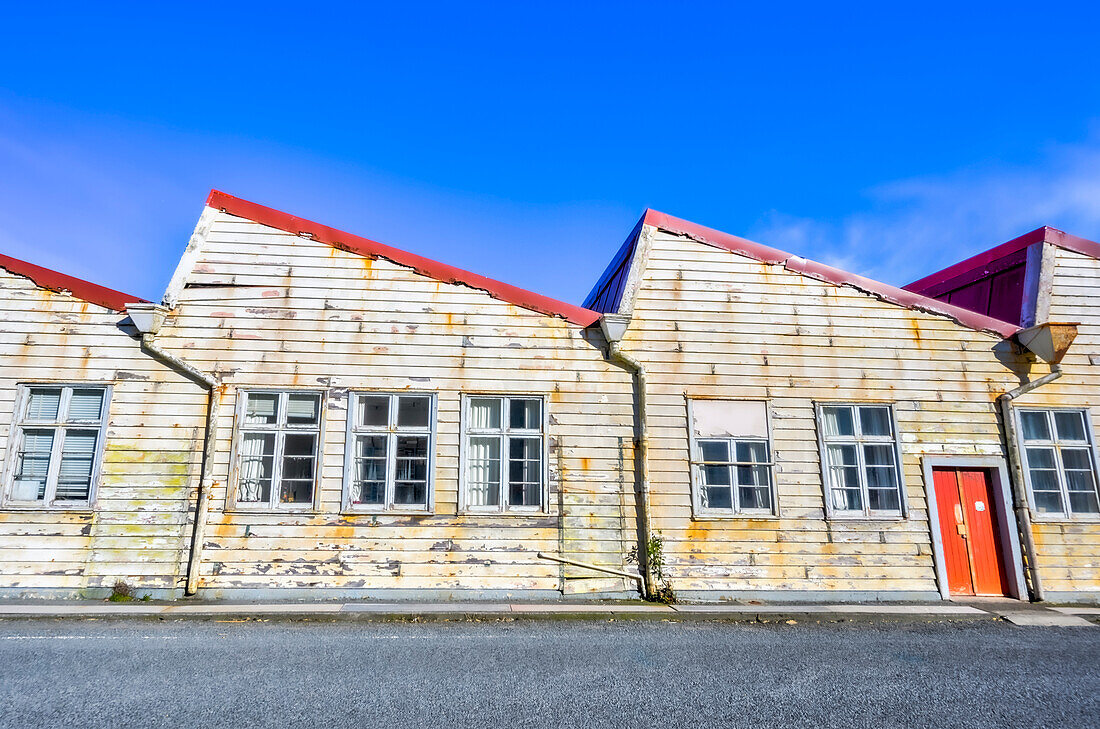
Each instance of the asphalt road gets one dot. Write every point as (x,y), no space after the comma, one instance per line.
(147,673)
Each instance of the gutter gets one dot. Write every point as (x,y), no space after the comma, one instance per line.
(614,327)
(147,319)
(1023,512)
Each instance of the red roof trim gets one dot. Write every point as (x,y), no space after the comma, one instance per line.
(820,271)
(1045,234)
(65,284)
(425,266)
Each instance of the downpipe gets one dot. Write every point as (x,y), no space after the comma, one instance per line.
(213,405)
(645,529)
(598,568)
(1015,461)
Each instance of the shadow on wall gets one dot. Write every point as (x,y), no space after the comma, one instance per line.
(1015,359)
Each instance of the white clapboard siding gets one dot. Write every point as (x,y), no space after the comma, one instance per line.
(263,308)
(138,530)
(1068,550)
(710,323)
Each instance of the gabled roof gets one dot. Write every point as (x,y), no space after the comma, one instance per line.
(988,258)
(822,272)
(608,291)
(63,283)
(424,266)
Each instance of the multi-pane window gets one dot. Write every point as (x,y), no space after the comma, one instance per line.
(390,456)
(58,440)
(503,453)
(732,457)
(278,439)
(1058,456)
(860,459)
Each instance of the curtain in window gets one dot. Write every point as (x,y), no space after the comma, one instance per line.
(484,471)
(754,483)
(86,405)
(261,409)
(484,414)
(844,477)
(302,409)
(74,478)
(44,404)
(34,465)
(255,479)
(837,420)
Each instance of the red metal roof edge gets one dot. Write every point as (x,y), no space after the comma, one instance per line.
(1045,234)
(829,274)
(433,269)
(63,283)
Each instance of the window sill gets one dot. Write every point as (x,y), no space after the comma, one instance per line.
(1064,518)
(308,511)
(734,516)
(862,517)
(83,509)
(384,512)
(466,512)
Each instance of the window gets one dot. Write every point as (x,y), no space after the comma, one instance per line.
(389,452)
(58,444)
(732,457)
(1058,457)
(860,457)
(277,449)
(503,448)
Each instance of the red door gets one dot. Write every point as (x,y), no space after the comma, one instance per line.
(971,532)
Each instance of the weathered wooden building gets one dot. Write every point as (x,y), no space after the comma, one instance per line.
(96,484)
(390,424)
(814,434)
(314,413)
(1048,278)
(311,413)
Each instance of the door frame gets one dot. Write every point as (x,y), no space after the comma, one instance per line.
(1006,518)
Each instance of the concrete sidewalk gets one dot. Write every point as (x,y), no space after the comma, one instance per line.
(1012,611)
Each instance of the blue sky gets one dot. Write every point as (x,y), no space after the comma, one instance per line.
(523,140)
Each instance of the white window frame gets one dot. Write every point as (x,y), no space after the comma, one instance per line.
(391,431)
(697,481)
(504,432)
(859,440)
(280,429)
(1090,443)
(60,426)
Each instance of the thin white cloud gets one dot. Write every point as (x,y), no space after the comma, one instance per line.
(912,227)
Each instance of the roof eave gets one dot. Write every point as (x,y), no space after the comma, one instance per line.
(425,266)
(70,285)
(1045,234)
(828,274)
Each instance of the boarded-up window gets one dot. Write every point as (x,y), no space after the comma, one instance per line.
(58,436)
(732,457)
